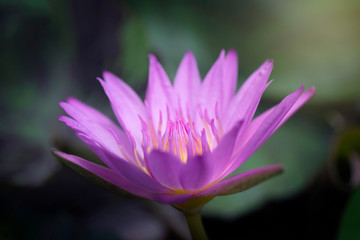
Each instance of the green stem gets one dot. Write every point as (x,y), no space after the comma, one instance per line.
(196,227)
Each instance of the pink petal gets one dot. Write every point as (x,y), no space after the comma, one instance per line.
(200,170)
(246,145)
(196,173)
(108,178)
(212,88)
(306,96)
(230,75)
(93,130)
(222,154)
(242,181)
(92,114)
(244,104)
(120,166)
(165,168)
(160,95)
(187,84)
(99,149)
(88,117)
(105,173)
(132,173)
(136,176)
(126,104)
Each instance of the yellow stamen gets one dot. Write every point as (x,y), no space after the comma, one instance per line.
(207,131)
(152,133)
(183,154)
(137,158)
(221,130)
(124,153)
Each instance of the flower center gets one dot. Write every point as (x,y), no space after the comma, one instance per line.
(176,138)
(181,137)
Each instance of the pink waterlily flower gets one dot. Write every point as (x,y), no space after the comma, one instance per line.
(184,140)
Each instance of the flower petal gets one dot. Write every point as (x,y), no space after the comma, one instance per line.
(246,145)
(91,118)
(126,104)
(306,96)
(101,175)
(196,173)
(211,88)
(200,170)
(160,93)
(222,154)
(93,130)
(260,119)
(122,167)
(242,181)
(110,180)
(187,84)
(92,114)
(245,102)
(100,129)
(132,173)
(230,75)
(165,168)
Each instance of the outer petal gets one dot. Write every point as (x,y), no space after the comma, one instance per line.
(261,118)
(245,149)
(132,173)
(230,75)
(114,182)
(126,104)
(306,96)
(136,176)
(242,181)
(122,167)
(165,168)
(187,84)
(160,94)
(93,131)
(105,130)
(92,114)
(212,87)
(221,156)
(244,104)
(101,175)
(99,149)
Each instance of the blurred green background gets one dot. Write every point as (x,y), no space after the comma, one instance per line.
(54,49)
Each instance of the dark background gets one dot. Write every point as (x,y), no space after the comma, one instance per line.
(50,50)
